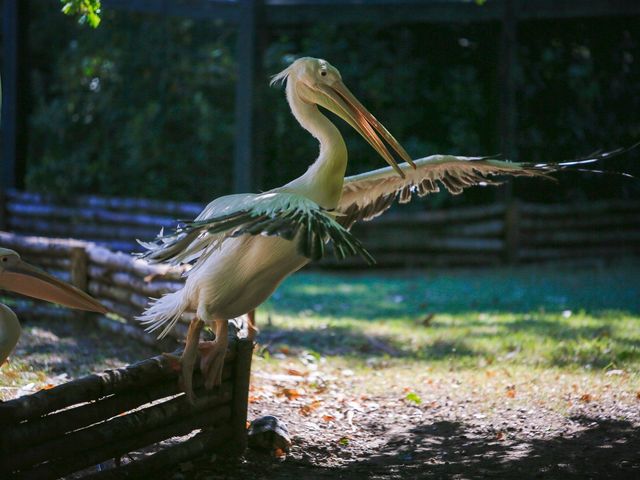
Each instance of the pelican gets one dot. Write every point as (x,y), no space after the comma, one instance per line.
(243,246)
(20,277)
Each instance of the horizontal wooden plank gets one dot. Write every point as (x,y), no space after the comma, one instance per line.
(592,221)
(162,207)
(118,428)
(58,247)
(144,285)
(584,208)
(82,230)
(434,217)
(432,245)
(91,387)
(204,442)
(561,238)
(594,252)
(293,12)
(77,214)
(118,294)
(52,470)
(121,261)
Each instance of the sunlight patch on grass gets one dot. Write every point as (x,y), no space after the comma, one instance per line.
(535,317)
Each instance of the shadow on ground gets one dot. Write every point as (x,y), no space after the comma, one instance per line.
(602,448)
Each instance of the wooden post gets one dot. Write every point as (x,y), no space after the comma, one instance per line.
(79,268)
(13,91)
(511,233)
(245,156)
(240,399)
(3,209)
(508,87)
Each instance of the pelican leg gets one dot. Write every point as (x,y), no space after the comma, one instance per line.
(252,330)
(212,355)
(187,361)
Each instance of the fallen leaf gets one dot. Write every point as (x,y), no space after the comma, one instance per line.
(586,397)
(638,394)
(307,409)
(297,373)
(500,436)
(290,393)
(284,350)
(48,386)
(328,418)
(279,453)
(344,441)
(511,391)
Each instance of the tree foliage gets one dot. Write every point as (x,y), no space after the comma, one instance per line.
(144,105)
(87,11)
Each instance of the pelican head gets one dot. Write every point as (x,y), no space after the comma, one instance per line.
(20,277)
(317,82)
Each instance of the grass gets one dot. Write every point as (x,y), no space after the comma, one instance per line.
(390,328)
(569,318)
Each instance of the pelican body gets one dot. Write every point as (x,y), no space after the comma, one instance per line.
(20,277)
(242,246)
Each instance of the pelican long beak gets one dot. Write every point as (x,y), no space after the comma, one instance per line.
(31,281)
(347,106)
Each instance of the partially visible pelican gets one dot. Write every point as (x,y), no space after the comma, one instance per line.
(20,277)
(242,246)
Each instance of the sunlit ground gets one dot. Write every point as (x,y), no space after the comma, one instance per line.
(560,335)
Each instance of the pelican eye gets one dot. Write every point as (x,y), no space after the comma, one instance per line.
(5,259)
(323,73)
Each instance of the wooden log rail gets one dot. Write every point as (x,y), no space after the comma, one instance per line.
(468,236)
(121,282)
(74,427)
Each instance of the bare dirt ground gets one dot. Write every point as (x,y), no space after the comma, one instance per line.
(501,424)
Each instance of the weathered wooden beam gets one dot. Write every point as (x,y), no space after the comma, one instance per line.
(511,233)
(202,443)
(244,160)
(90,388)
(57,424)
(58,468)
(126,205)
(240,403)
(508,89)
(208,9)
(118,429)
(294,12)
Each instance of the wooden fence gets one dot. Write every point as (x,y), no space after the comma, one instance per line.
(122,283)
(88,421)
(130,411)
(483,235)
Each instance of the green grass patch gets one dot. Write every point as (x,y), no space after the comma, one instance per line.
(556,316)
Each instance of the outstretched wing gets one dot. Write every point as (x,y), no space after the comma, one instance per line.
(287,215)
(368,195)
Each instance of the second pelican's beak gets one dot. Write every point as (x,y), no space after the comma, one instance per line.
(22,278)
(343,103)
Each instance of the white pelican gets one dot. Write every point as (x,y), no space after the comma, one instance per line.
(20,277)
(242,246)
